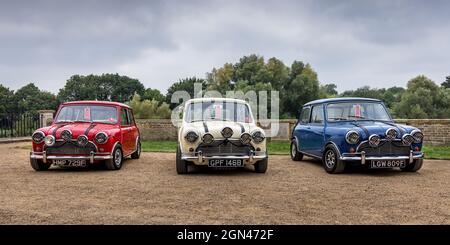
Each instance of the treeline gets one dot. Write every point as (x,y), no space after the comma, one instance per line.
(297,83)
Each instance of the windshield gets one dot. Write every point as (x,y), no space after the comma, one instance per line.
(87,113)
(218,111)
(357,111)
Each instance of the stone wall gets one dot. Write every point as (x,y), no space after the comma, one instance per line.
(436,131)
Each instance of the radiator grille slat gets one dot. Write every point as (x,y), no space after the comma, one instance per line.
(386,148)
(70,148)
(223,149)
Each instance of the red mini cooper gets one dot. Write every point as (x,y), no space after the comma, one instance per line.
(87,132)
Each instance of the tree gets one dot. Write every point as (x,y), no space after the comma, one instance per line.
(300,91)
(149,109)
(186,84)
(153,94)
(6,100)
(328,90)
(109,87)
(219,79)
(30,99)
(423,99)
(251,68)
(446,84)
(278,73)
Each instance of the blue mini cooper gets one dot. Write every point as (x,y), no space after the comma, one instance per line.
(355,130)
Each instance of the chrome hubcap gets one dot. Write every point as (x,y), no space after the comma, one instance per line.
(330,159)
(118,157)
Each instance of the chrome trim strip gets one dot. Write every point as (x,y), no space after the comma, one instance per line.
(310,155)
(35,132)
(114,146)
(101,132)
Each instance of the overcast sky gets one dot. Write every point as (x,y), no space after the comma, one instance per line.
(350,43)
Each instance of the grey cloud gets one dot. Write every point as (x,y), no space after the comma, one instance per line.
(375,43)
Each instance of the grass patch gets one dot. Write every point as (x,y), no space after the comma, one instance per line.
(159,146)
(283,148)
(437,152)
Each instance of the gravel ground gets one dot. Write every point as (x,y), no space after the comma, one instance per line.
(148,191)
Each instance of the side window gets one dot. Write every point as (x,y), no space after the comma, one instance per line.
(130,116)
(124,117)
(317,114)
(304,117)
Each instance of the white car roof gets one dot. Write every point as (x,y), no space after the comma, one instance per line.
(215,100)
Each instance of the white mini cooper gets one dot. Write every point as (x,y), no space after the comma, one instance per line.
(220,132)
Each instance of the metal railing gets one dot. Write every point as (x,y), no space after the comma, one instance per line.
(18,124)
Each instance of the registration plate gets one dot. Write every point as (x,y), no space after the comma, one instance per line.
(226,163)
(387,163)
(70,163)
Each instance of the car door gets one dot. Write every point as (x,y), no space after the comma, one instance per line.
(126,131)
(301,130)
(134,130)
(316,131)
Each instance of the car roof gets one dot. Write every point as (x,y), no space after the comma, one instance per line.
(96,102)
(196,100)
(341,99)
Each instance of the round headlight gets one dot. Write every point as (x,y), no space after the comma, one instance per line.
(82,140)
(374,140)
(49,140)
(246,138)
(418,136)
(352,137)
(258,136)
(391,134)
(227,132)
(66,135)
(407,139)
(38,137)
(207,138)
(101,138)
(191,136)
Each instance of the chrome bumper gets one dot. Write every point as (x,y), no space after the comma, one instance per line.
(200,159)
(93,156)
(363,158)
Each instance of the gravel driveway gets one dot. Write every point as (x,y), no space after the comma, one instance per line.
(148,191)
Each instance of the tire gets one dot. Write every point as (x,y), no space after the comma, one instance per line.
(137,153)
(117,160)
(181,165)
(39,165)
(295,154)
(261,166)
(331,162)
(414,166)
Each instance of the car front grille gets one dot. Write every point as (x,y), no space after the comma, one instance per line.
(69,148)
(386,148)
(225,148)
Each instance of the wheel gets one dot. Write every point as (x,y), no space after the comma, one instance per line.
(115,163)
(261,166)
(39,165)
(331,162)
(414,166)
(137,153)
(295,154)
(182,166)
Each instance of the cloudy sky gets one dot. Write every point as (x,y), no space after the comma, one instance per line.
(350,43)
